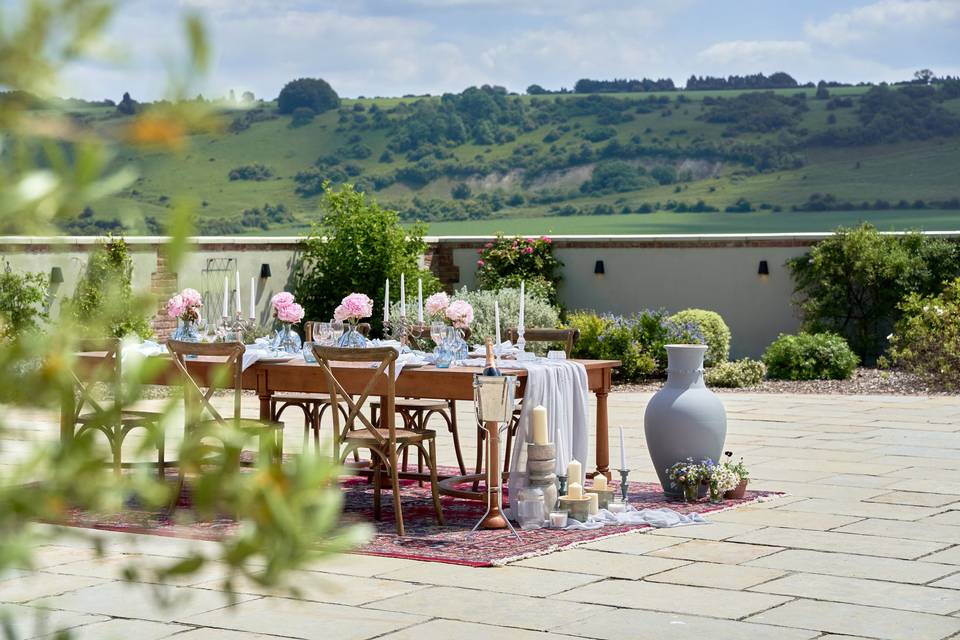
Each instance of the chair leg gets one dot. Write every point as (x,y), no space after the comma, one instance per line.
(434,482)
(377,485)
(395,477)
(452,425)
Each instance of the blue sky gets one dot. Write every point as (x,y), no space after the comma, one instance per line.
(393,47)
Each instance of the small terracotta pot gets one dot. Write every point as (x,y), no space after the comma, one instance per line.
(737,492)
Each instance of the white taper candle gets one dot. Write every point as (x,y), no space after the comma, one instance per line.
(419,300)
(226,296)
(239,307)
(623,452)
(253,297)
(386,301)
(496,320)
(403,298)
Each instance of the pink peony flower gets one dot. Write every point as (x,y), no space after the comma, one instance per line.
(282,299)
(176,306)
(460,313)
(437,303)
(354,307)
(293,313)
(192,297)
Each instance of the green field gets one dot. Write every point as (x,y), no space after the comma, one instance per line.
(925,168)
(686,223)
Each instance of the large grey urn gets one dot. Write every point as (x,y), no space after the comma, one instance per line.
(684,419)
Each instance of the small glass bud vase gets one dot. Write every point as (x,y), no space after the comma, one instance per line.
(691,492)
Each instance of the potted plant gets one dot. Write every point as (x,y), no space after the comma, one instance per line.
(740,470)
(686,476)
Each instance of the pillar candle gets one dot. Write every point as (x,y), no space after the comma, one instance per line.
(496,321)
(575,490)
(253,297)
(386,301)
(623,452)
(239,307)
(403,298)
(600,482)
(574,472)
(226,296)
(419,300)
(594,506)
(540,425)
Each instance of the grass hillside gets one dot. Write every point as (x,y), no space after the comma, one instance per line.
(483,161)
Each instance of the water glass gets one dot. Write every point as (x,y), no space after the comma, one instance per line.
(557,354)
(308,355)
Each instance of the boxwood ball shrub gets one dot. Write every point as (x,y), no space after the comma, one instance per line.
(926,340)
(736,374)
(715,332)
(810,356)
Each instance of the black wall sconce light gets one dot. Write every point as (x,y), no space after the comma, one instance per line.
(764,269)
(56,275)
(599,268)
(265,271)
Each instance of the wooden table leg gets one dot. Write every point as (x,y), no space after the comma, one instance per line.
(603,436)
(264,394)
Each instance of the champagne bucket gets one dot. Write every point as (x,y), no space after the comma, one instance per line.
(495,397)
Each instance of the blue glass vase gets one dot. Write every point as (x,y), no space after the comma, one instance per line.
(186,331)
(459,347)
(286,339)
(352,339)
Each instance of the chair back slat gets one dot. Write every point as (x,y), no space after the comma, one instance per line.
(385,360)
(230,355)
(567,337)
(107,366)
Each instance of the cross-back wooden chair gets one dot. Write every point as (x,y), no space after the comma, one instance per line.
(226,374)
(564,337)
(383,439)
(416,412)
(313,405)
(111,418)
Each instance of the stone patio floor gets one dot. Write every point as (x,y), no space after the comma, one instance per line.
(866,544)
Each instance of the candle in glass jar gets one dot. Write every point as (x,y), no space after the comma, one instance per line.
(600,482)
(616,506)
(575,490)
(539,425)
(558,519)
(575,472)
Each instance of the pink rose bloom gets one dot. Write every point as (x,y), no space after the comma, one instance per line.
(460,313)
(547,239)
(354,306)
(528,250)
(480,263)
(437,303)
(282,299)
(489,245)
(192,298)
(176,306)
(293,313)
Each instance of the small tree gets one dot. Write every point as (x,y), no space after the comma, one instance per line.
(312,93)
(21,302)
(355,248)
(461,191)
(128,106)
(105,292)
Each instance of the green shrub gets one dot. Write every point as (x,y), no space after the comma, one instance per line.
(104,292)
(355,248)
(715,332)
(538,312)
(852,282)
(926,340)
(22,298)
(638,341)
(736,374)
(810,356)
(505,262)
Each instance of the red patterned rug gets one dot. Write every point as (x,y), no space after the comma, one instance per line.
(424,540)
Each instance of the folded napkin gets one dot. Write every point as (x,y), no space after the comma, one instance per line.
(506,349)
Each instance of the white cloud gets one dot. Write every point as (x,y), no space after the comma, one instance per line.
(755,53)
(883,18)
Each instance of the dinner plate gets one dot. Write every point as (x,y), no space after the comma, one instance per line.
(278,358)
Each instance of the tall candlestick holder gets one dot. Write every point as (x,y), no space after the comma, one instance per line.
(624,485)
(402,330)
(236,329)
(562,485)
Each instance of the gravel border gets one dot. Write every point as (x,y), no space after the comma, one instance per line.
(865,381)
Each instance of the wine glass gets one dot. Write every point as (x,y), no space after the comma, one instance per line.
(438,332)
(336,331)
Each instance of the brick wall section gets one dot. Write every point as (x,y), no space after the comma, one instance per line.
(439,259)
(163,284)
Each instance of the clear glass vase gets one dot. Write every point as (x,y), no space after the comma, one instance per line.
(286,339)
(186,331)
(458,346)
(351,338)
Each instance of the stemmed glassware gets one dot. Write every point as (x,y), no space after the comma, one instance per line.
(438,331)
(336,331)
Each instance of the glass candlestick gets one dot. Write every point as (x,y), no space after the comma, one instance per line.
(624,486)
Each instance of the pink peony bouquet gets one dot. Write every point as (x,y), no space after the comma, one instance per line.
(437,304)
(285,309)
(353,307)
(460,313)
(185,305)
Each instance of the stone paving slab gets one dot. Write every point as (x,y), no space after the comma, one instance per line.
(864,546)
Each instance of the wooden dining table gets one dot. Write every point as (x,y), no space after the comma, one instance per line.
(453,383)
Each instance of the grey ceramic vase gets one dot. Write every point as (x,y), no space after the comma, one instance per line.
(684,419)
